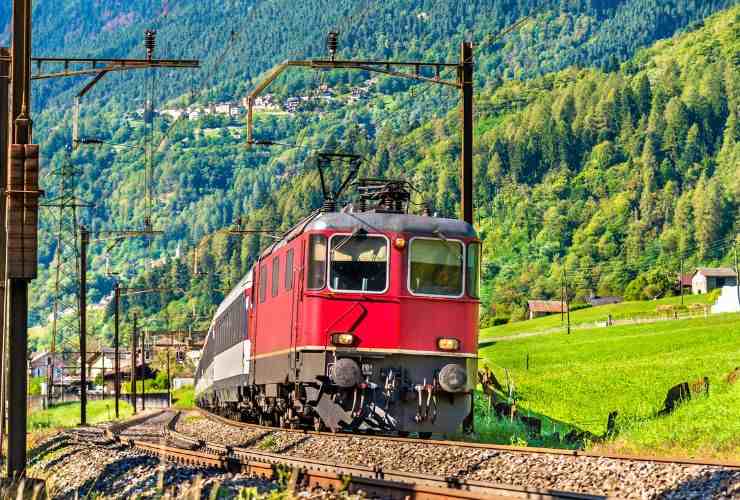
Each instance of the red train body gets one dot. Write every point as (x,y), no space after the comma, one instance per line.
(352,321)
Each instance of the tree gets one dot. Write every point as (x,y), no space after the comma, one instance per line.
(707,205)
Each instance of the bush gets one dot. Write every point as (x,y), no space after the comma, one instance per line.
(650,285)
(34,388)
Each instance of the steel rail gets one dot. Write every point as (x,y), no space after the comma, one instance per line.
(308,474)
(484,446)
(373,480)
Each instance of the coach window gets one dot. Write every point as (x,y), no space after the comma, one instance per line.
(472,273)
(359,263)
(436,267)
(289,270)
(317,262)
(275,276)
(263,283)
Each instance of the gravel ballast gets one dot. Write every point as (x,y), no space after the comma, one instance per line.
(600,476)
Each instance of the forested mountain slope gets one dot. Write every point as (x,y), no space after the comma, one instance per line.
(255,34)
(614,173)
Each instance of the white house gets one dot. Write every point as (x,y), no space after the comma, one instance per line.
(706,279)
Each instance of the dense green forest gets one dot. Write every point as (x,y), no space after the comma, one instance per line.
(594,160)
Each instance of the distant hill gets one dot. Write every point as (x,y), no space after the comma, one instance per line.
(239,39)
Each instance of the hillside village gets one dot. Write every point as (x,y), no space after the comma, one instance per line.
(269,103)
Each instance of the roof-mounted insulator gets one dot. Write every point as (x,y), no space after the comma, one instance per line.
(332,41)
(150,42)
(329,206)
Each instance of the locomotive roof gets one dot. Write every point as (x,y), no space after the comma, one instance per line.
(376,222)
(379,222)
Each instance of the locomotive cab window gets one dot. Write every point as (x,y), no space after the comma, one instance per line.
(436,267)
(358,263)
(472,274)
(317,262)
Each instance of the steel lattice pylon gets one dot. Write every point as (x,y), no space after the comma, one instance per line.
(63,208)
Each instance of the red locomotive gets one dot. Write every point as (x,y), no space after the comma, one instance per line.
(359,319)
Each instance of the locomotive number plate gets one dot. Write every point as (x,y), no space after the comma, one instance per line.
(367,368)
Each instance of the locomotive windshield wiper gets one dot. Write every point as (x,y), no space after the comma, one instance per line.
(357,233)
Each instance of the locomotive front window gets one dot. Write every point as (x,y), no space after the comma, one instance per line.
(359,263)
(436,267)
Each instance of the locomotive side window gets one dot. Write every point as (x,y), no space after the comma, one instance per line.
(472,273)
(359,263)
(275,276)
(289,270)
(317,262)
(263,283)
(436,267)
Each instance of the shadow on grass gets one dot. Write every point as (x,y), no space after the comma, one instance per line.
(496,429)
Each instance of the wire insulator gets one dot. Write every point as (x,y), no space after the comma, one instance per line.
(150,42)
(332,41)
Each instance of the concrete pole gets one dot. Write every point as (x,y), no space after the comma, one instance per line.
(17,287)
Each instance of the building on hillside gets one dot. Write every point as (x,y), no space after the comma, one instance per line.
(538,308)
(173,113)
(41,361)
(683,282)
(604,301)
(706,279)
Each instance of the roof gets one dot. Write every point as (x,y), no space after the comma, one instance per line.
(39,356)
(374,222)
(716,272)
(551,306)
(602,301)
(685,279)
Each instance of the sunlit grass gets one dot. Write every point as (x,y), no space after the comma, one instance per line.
(591,315)
(577,379)
(184,398)
(64,415)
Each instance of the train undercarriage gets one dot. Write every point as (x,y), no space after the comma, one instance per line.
(396,394)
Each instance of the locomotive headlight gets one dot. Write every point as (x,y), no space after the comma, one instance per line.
(448,344)
(342,339)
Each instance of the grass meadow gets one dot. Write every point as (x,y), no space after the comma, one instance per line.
(64,415)
(576,380)
(184,398)
(591,315)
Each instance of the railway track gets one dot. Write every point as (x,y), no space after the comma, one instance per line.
(483,446)
(306,474)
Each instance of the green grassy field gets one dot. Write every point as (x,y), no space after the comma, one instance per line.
(184,398)
(590,315)
(65,415)
(577,379)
